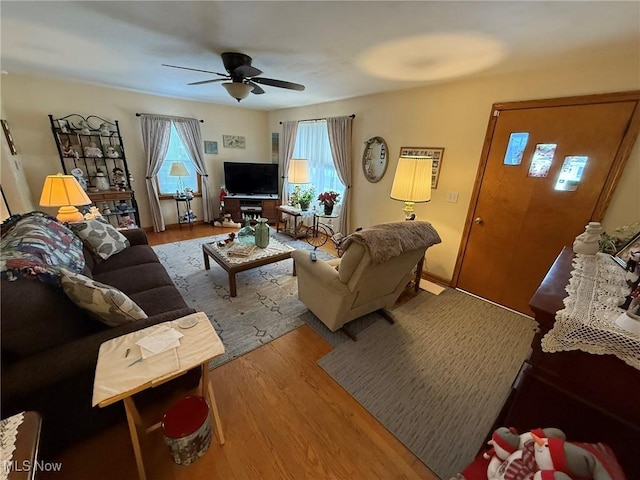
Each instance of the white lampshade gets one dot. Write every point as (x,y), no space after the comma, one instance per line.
(178,170)
(298,171)
(412,182)
(64,191)
(238,90)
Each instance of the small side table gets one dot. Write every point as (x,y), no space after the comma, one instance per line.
(187,204)
(119,376)
(22,464)
(297,216)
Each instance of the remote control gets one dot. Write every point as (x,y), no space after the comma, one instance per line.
(312,255)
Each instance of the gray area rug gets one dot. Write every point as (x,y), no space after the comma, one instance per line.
(438,378)
(266,305)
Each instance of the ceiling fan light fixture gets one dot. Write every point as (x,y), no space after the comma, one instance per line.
(238,90)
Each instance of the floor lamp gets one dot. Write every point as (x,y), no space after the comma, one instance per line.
(298,173)
(412,183)
(64,191)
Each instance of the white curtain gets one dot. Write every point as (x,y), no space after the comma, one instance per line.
(312,143)
(339,130)
(156,132)
(289,130)
(189,132)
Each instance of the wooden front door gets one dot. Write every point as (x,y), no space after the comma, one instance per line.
(548,168)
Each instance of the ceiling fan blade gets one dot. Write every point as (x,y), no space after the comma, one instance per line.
(278,83)
(208,81)
(194,69)
(257,89)
(247,71)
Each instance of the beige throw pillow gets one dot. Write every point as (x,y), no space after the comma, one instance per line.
(107,304)
(101,238)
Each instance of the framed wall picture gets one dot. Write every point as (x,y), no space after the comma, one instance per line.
(7,134)
(622,256)
(233,141)
(210,147)
(435,153)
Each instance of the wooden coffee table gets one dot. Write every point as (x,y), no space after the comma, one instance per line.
(275,252)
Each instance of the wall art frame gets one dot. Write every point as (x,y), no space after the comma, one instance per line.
(210,147)
(233,141)
(435,153)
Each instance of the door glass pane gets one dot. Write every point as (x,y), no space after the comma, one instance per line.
(542,158)
(515,148)
(571,173)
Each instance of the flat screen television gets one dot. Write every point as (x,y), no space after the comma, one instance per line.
(251,178)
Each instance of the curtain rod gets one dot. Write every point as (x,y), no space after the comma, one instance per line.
(158,115)
(353,115)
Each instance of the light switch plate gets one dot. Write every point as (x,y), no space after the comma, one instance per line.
(452,197)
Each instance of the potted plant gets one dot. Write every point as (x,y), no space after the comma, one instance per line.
(302,197)
(328,200)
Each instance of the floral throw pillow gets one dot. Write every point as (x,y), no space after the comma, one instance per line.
(101,238)
(108,304)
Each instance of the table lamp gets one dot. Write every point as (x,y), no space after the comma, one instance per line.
(412,183)
(64,191)
(298,171)
(179,170)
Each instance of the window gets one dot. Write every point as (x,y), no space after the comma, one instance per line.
(177,153)
(312,143)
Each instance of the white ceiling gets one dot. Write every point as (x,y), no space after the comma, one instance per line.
(336,49)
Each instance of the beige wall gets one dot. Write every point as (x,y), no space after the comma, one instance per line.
(455,116)
(28,100)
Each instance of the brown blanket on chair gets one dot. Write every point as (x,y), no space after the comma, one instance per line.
(389,240)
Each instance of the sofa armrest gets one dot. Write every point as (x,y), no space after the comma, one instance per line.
(136,236)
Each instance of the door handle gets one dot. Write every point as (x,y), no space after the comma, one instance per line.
(478,221)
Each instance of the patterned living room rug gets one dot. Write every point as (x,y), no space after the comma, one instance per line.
(265,308)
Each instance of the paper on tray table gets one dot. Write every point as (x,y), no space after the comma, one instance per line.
(161,340)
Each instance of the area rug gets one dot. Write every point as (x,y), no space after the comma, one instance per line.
(439,376)
(265,308)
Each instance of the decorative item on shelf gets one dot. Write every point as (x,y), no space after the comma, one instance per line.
(79,176)
(105,129)
(102,182)
(247,233)
(119,179)
(92,213)
(123,206)
(104,208)
(188,217)
(188,192)
(111,152)
(68,150)
(85,129)
(65,192)
(178,169)
(92,151)
(412,183)
(328,200)
(126,222)
(262,233)
(302,197)
(587,243)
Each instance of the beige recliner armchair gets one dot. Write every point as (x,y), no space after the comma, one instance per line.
(375,268)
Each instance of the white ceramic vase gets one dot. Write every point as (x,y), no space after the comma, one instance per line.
(587,243)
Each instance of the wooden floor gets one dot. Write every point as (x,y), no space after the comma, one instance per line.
(283,417)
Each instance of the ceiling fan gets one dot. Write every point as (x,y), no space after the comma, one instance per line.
(244,78)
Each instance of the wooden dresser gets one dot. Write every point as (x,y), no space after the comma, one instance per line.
(593,398)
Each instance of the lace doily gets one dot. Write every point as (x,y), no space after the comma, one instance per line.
(8,433)
(596,288)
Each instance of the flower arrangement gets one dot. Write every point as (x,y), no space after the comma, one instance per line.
(302,196)
(329,199)
(611,243)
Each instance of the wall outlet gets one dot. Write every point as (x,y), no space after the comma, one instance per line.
(452,197)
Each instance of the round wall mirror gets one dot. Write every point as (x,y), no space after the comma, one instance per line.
(374,159)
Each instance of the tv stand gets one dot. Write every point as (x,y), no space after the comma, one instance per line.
(239,205)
